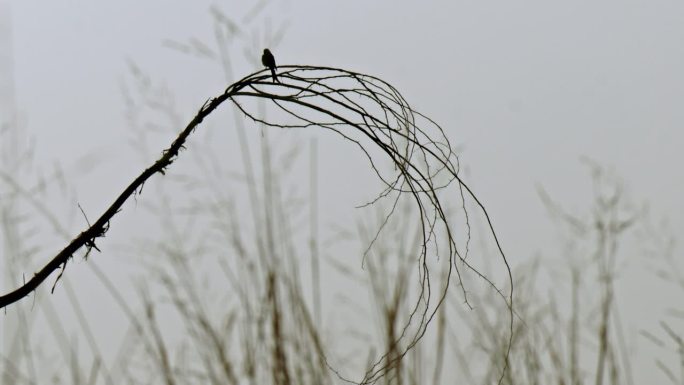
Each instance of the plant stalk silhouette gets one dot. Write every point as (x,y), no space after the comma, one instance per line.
(371,114)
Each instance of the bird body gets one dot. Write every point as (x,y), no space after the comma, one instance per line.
(268,60)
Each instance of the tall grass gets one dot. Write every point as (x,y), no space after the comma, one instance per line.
(234,283)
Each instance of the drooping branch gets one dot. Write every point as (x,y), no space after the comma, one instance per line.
(373,115)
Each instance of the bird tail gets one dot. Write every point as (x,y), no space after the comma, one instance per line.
(273,74)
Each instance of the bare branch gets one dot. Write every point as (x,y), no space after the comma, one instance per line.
(374,116)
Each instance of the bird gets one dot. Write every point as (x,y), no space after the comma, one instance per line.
(268,60)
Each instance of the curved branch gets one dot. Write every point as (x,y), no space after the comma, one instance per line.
(363,110)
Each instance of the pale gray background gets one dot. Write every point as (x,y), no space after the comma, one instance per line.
(525,87)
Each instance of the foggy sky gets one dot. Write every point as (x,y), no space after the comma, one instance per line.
(526,88)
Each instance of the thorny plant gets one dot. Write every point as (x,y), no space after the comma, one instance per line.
(372,114)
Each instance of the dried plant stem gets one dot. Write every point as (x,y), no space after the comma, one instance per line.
(372,114)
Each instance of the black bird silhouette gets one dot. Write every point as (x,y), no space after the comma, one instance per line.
(268,60)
